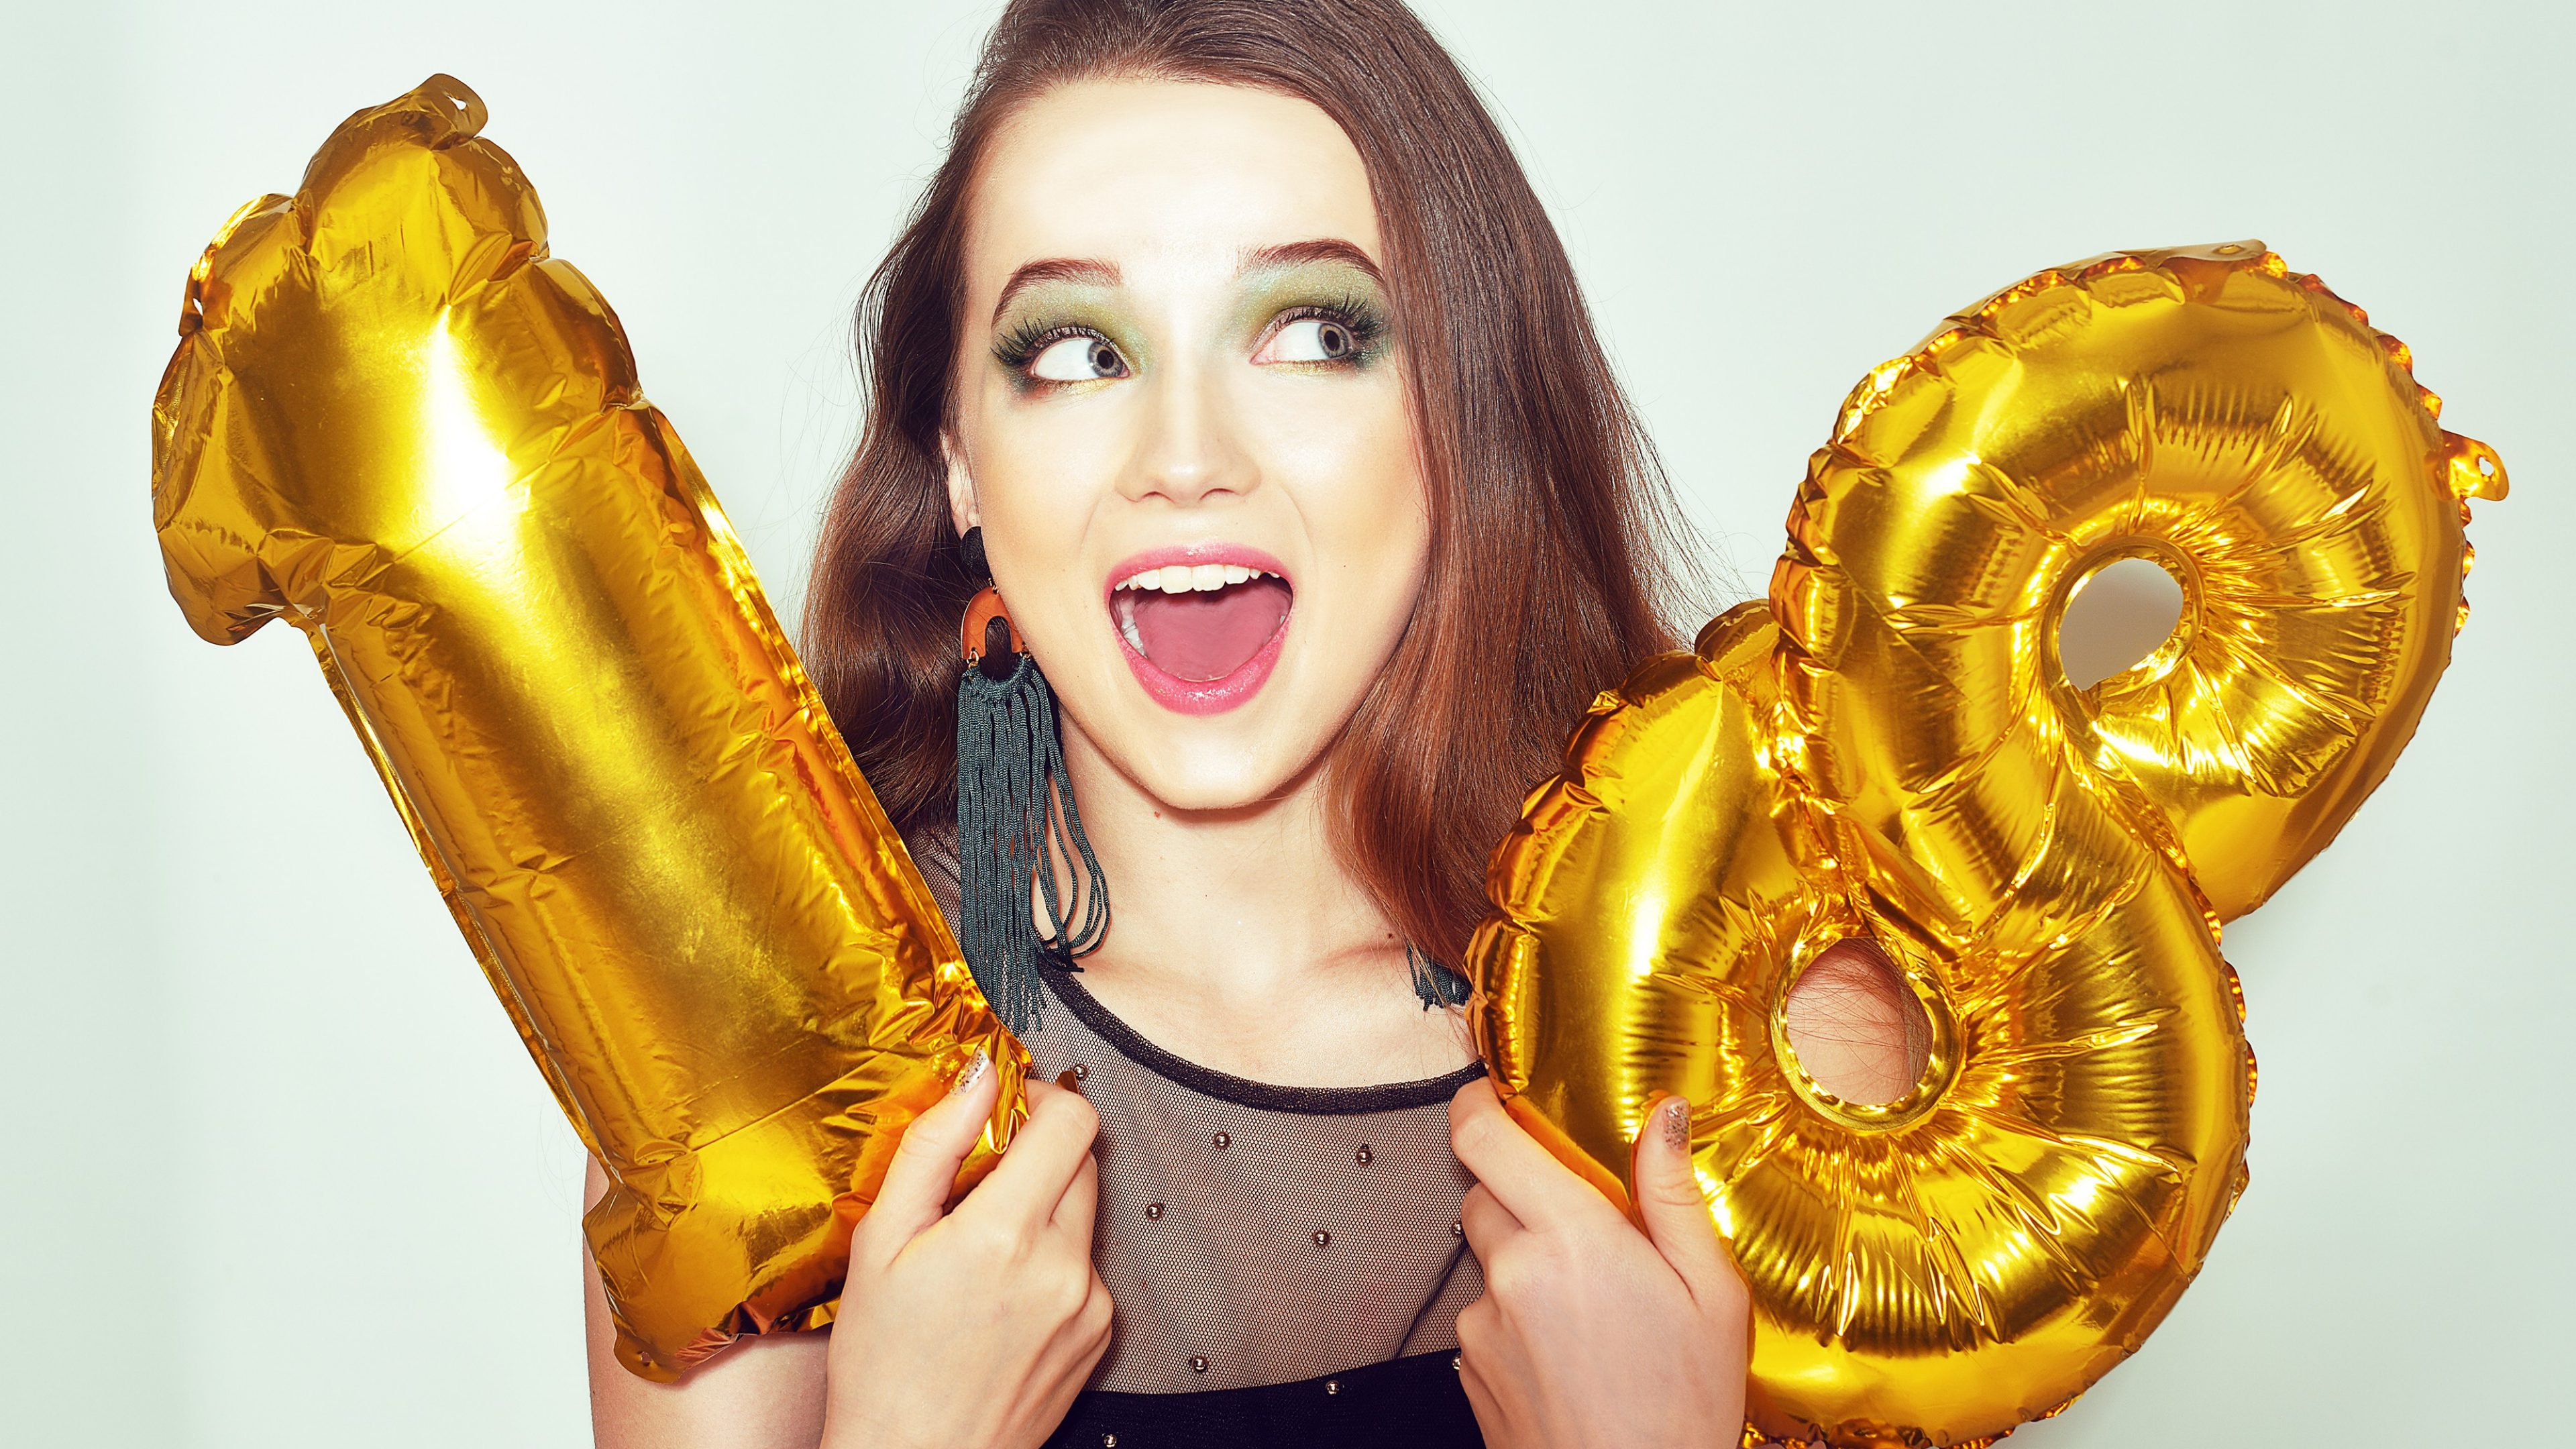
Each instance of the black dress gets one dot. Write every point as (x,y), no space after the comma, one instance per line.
(1286,1261)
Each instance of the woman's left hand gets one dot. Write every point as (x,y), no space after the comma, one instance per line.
(1591,1332)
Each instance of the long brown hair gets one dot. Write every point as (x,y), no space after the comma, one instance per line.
(1544,582)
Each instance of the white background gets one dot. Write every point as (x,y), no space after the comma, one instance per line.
(276,1172)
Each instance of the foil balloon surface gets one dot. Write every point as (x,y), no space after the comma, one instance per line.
(2207,410)
(1890,749)
(396,423)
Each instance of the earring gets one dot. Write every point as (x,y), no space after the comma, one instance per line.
(1436,984)
(1016,820)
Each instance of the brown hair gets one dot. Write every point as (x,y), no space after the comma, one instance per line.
(1544,582)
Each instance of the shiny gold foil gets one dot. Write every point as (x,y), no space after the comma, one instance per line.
(1934,1269)
(2207,409)
(394,421)
(1900,757)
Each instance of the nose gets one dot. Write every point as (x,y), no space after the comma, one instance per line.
(1190,450)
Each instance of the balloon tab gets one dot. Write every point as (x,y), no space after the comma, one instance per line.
(2475,469)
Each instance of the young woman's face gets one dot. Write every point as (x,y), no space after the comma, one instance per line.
(1182,424)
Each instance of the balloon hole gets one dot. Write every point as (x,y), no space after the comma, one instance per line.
(2117,619)
(2486,467)
(1858,1030)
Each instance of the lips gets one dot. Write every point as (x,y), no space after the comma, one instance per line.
(1201,627)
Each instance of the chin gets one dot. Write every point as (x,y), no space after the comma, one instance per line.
(1206,771)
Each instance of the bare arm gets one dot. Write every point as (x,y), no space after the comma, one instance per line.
(1856,1028)
(763,1393)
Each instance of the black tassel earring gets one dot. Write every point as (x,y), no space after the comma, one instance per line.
(1016,821)
(1436,984)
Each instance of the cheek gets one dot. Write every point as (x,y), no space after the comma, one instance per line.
(1040,476)
(1042,466)
(1356,477)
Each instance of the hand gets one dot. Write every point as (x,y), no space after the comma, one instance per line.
(1590,1332)
(972,1329)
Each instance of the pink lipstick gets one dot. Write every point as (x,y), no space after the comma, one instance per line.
(1202,625)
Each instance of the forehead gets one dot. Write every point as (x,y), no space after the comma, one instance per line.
(1128,171)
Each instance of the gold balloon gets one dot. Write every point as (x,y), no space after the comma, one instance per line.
(2205,409)
(396,422)
(1901,758)
(1940,1267)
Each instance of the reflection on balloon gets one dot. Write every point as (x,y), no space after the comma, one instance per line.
(2207,410)
(396,422)
(1892,748)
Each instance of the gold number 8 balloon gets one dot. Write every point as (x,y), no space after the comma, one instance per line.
(396,422)
(1892,749)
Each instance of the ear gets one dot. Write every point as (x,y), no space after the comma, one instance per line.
(961,484)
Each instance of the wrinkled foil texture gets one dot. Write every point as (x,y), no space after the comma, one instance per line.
(394,421)
(1889,748)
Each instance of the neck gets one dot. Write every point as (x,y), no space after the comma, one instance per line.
(1245,901)
(1239,939)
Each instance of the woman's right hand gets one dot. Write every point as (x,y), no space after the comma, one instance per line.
(972,1329)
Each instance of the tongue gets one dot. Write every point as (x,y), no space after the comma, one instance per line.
(1204,636)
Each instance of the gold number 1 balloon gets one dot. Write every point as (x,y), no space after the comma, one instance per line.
(394,421)
(1890,749)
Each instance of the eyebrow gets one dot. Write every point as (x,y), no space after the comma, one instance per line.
(1103,274)
(1054,269)
(1321,249)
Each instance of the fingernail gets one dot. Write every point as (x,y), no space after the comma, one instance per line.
(1676,1115)
(974,1072)
(1067,1080)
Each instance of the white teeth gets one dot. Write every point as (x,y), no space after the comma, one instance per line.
(1126,612)
(1191,578)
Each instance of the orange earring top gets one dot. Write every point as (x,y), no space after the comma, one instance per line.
(975,633)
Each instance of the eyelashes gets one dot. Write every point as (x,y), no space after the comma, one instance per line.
(1020,345)
(1349,331)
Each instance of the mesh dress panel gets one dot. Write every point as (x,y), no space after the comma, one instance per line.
(1252,1234)
(1286,1262)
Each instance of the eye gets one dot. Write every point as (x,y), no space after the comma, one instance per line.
(1079,358)
(1311,339)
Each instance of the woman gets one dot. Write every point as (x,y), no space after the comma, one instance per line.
(1231,347)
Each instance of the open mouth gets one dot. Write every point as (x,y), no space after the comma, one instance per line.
(1201,635)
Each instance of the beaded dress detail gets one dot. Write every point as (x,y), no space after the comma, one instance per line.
(1286,1262)
(1253,1234)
